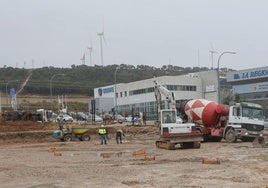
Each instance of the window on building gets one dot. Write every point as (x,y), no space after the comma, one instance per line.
(169,87)
(141,91)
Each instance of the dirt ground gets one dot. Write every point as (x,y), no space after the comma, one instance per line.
(27,160)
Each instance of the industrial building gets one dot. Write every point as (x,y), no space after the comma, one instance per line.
(139,96)
(251,85)
(127,98)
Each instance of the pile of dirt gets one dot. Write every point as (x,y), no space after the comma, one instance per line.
(29,131)
(15,126)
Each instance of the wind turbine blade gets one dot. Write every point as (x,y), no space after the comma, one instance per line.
(212,49)
(105,41)
(103,26)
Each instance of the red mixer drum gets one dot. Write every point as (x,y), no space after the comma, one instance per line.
(203,112)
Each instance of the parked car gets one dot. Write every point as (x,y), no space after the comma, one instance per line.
(119,118)
(107,118)
(97,118)
(65,118)
(81,116)
(128,118)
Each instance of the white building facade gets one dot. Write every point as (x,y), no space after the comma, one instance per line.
(139,96)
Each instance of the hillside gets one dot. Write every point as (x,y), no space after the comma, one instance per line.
(80,80)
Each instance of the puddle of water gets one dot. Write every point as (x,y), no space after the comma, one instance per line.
(114,154)
(106,154)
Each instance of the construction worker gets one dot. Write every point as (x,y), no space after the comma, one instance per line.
(102,132)
(144,118)
(119,134)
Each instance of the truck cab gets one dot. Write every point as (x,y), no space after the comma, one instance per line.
(246,121)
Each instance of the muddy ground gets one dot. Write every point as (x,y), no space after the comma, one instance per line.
(27,160)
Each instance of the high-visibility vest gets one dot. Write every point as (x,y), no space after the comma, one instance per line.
(120,131)
(102,131)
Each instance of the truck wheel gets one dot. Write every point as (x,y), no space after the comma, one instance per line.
(205,137)
(85,137)
(230,136)
(68,138)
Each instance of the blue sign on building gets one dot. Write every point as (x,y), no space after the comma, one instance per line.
(249,74)
(108,90)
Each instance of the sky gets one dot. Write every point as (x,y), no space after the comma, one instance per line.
(38,33)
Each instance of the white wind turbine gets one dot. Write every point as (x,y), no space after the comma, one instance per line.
(90,54)
(212,52)
(83,59)
(101,35)
(101,50)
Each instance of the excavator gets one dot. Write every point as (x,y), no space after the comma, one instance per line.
(173,131)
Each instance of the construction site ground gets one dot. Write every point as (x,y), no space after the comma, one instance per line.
(30,157)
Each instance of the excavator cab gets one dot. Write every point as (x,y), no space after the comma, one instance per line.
(168,116)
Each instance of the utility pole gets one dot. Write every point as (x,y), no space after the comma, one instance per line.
(115,91)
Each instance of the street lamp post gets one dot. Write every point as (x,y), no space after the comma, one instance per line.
(51,87)
(218,73)
(115,97)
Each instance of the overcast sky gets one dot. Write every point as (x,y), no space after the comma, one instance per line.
(37,33)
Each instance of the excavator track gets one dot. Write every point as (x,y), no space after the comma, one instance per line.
(165,144)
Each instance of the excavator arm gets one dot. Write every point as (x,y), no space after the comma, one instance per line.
(161,90)
(157,97)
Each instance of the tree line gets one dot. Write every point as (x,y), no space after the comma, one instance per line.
(82,79)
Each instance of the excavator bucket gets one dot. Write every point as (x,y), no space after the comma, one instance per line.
(261,141)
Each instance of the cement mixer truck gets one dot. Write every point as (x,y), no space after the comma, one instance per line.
(242,120)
